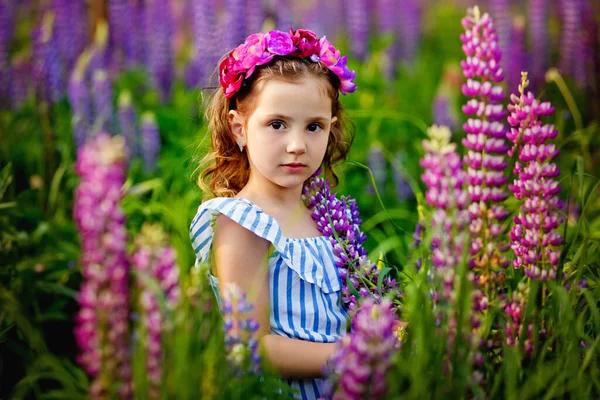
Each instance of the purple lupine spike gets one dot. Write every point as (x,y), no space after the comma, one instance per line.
(403,190)
(387,23)
(377,163)
(20,85)
(80,101)
(136,42)
(362,359)
(155,259)
(233,27)
(102,326)
(500,11)
(48,69)
(6,32)
(538,35)
(240,331)
(161,29)
(570,36)
(357,16)
(283,15)
(99,51)
(150,141)
(71,30)
(409,30)
(535,238)
(255,16)
(515,313)
(518,55)
(127,123)
(588,68)
(206,53)
(442,110)
(102,99)
(485,144)
(119,19)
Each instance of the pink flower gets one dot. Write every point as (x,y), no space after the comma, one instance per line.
(306,42)
(279,43)
(346,76)
(251,53)
(328,54)
(230,77)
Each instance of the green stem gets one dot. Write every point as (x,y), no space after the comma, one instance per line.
(554,76)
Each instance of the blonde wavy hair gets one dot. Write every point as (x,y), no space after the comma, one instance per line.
(224,169)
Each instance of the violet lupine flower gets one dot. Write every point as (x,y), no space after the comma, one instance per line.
(98,51)
(377,164)
(515,311)
(127,123)
(48,68)
(20,85)
(403,190)
(233,28)
(119,19)
(6,32)
(71,30)
(150,141)
(255,16)
(518,55)
(102,326)
(363,357)
(409,30)
(357,16)
(283,15)
(80,101)
(102,100)
(443,115)
(206,47)
(535,238)
(538,34)
(500,10)
(136,42)
(485,143)
(588,48)
(570,36)
(155,259)
(240,331)
(160,29)
(342,216)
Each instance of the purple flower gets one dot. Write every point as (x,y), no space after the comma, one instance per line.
(119,18)
(518,55)
(20,85)
(500,10)
(571,25)
(442,110)
(155,259)
(101,329)
(80,101)
(515,313)
(71,30)
(6,33)
(403,190)
(588,47)
(233,25)
(535,238)
(362,358)
(48,68)
(538,34)
(485,144)
(409,30)
(206,49)
(377,164)
(160,27)
(150,141)
(255,16)
(357,16)
(127,123)
(279,43)
(240,331)
(283,15)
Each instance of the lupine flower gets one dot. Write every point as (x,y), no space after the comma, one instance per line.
(342,216)
(357,16)
(20,85)
(240,331)
(442,112)
(517,54)
(102,322)
(255,16)
(363,357)
(538,34)
(377,164)
(80,101)
(150,141)
(500,9)
(136,42)
(102,100)
(155,259)
(98,51)
(6,32)
(283,15)
(233,27)
(48,69)
(160,32)
(570,36)
(535,238)
(127,123)
(119,18)
(588,47)
(515,311)
(485,144)
(71,30)
(206,48)
(403,190)
(409,30)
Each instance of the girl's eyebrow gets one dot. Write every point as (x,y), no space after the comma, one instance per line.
(287,118)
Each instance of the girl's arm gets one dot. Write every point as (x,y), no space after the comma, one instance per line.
(242,257)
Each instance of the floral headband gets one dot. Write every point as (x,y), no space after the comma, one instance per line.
(260,48)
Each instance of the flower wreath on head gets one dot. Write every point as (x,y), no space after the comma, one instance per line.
(260,48)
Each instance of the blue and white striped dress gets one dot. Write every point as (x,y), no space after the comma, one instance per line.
(305,288)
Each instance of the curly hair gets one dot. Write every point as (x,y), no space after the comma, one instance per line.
(224,169)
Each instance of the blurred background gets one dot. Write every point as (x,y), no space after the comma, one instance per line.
(70,69)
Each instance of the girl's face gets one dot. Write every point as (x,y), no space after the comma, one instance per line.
(286,135)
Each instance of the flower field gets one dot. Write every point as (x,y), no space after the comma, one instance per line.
(466,221)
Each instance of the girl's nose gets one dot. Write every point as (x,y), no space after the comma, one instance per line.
(296,143)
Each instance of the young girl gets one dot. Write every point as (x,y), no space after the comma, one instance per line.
(275,120)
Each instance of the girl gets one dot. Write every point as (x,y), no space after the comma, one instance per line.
(275,121)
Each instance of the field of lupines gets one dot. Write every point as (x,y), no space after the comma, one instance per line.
(477,187)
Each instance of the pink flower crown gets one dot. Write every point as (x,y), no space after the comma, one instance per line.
(260,48)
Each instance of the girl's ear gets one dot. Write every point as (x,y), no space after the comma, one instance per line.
(333,121)
(236,122)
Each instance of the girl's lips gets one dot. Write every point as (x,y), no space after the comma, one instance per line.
(293,167)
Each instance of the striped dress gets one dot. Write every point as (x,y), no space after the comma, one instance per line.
(305,288)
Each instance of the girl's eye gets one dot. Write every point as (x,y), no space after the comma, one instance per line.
(314,127)
(277,125)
